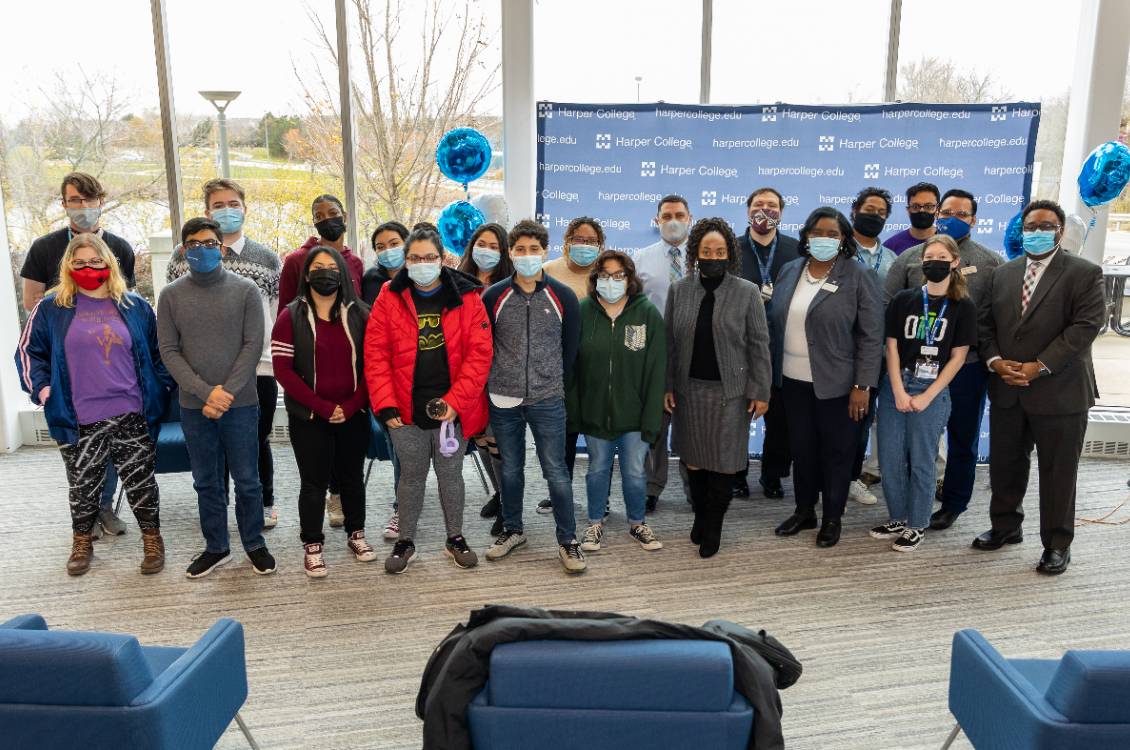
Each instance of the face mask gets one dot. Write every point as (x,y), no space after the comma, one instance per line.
(1038,243)
(583,255)
(921,219)
(528,265)
(229,219)
(823,248)
(713,269)
(331,229)
(765,220)
(203,259)
(84,218)
(869,225)
(936,270)
(673,232)
(325,281)
(954,227)
(90,278)
(611,289)
(423,273)
(391,258)
(485,258)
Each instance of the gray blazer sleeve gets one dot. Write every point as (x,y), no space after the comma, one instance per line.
(758,368)
(168,341)
(895,280)
(672,351)
(868,332)
(243,369)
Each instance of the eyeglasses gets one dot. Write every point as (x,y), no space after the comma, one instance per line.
(617,276)
(96,263)
(76,202)
(927,207)
(197,244)
(1046,226)
(423,258)
(949,213)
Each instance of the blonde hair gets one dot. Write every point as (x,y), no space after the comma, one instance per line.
(958,289)
(66,289)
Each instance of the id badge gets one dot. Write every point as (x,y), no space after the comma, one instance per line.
(766,291)
(929,351)
(926,369)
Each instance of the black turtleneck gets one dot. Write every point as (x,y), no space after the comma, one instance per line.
(704,360)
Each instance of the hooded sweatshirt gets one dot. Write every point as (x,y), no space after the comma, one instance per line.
(292,270)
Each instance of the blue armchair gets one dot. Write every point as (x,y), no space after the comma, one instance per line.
(172,453)
(653,694)
(1079,702)
(105,691)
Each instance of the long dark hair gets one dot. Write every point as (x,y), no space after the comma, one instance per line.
(346,294)
(505,267)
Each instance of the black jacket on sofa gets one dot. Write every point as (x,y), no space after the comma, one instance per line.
(459,667)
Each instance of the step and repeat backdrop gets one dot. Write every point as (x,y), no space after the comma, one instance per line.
(613,162)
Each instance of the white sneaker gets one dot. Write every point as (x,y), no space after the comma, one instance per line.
(590,542)
(572,559)
(333,510)
(506,543)
(313,561)
(392,528)
(858,492)
(270,517)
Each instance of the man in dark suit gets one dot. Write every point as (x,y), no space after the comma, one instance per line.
(763,250)
(1038,321)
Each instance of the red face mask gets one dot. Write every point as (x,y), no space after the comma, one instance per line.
(90,278)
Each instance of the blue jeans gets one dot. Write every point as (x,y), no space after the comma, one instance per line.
(967,391)
(382,434)
(908,444)
(633,453)
(234,437)
(110,488)
(547,421)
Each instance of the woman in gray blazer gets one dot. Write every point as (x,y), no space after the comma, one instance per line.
(825,330)
(717,373)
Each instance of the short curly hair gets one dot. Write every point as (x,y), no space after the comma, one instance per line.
(703,227)
(581,221)
(528,228)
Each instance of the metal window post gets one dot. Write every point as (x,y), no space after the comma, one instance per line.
(168,115)
(348,148)
(519,127)
(894,30)
(706,52)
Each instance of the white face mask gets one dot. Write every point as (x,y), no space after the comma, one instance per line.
(673,232)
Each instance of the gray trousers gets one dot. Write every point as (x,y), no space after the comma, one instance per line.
(418,450)
(658,461)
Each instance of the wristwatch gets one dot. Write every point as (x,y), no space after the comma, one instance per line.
(864,388)
(1043,369)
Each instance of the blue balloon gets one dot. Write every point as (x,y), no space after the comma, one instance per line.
(1104,174)
(463,154)
(457,222)
(1014,238)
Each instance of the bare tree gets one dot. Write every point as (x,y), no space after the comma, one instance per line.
(930,79)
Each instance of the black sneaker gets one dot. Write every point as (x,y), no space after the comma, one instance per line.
(402,554)
(462,555)
(889,530)
(492,508)
(261,561)
(741,488)
(496,527)
(652,501)
(909,540)
(206,562)
(545,506)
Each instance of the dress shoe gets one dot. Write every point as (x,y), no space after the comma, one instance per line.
(829,533)
(771,487)
(1054,561)
(794,524)
(741,488)
(943,519)
(993,539)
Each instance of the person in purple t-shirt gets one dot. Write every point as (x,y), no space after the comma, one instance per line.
(922,207)
(89,355)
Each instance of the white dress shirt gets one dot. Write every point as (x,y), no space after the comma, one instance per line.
(653,267)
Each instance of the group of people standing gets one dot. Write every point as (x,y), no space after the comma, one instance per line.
(695,337)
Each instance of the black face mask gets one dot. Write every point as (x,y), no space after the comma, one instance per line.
(713,269)
(936,270)
(921,219)
(869,225)
(324,281)
(330,229)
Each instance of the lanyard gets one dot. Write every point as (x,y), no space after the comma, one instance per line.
(764,268)
(878,258)
(932,330)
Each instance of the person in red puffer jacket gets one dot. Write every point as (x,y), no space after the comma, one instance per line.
(428,351)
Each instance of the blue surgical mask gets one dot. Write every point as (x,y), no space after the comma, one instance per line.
(528,265)
(1039,242)
(953,226)
(583,255)
(203,259)
(85,218)
(423,273)
(485,258)
(391,258)
(229,219)
(612,290)
(823,248)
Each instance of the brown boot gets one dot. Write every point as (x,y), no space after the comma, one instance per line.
(154,546)
(82,552)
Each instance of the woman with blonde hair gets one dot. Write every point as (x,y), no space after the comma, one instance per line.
(89,356)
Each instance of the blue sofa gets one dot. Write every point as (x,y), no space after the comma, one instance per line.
(105,691)
(610,695)
(1079,702)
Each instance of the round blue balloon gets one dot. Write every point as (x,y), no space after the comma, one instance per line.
(1014,238)
(457,222)
(1104,174)
(463,154)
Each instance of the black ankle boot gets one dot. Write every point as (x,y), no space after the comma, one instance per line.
(717,503)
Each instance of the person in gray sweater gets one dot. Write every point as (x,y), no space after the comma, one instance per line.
(210,330)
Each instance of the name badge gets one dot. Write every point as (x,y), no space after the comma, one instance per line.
(766,291)
(929,351)
(828,286)
(926,369)
(968,270)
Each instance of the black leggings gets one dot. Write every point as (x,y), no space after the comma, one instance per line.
(322,449)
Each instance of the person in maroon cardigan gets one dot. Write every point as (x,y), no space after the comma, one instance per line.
(330,220)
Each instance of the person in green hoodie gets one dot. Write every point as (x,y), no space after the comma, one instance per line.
(615,397)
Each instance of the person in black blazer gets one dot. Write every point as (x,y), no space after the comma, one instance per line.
(826,340)
(1037,324)
(763,252)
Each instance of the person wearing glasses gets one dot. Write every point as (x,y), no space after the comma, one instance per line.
(88,356)
(83,199)
(826,334)
(718,374)
(615,397)
(427,356)
(921,209)
(210,328)
(957,215)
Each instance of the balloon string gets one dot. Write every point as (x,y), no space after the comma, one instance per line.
(1090,225)
(466,193)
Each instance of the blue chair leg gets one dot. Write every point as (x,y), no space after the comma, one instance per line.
(952,737)
(246,732)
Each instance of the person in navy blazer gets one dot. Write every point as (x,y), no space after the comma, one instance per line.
(825,338)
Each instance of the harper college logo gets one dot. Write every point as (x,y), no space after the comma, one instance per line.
(710,197)
(769,114)
(984,226)
(542,219)
(647,169)
(870,171)
(604,140)
(999,114)
(545,109)
(827,143)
